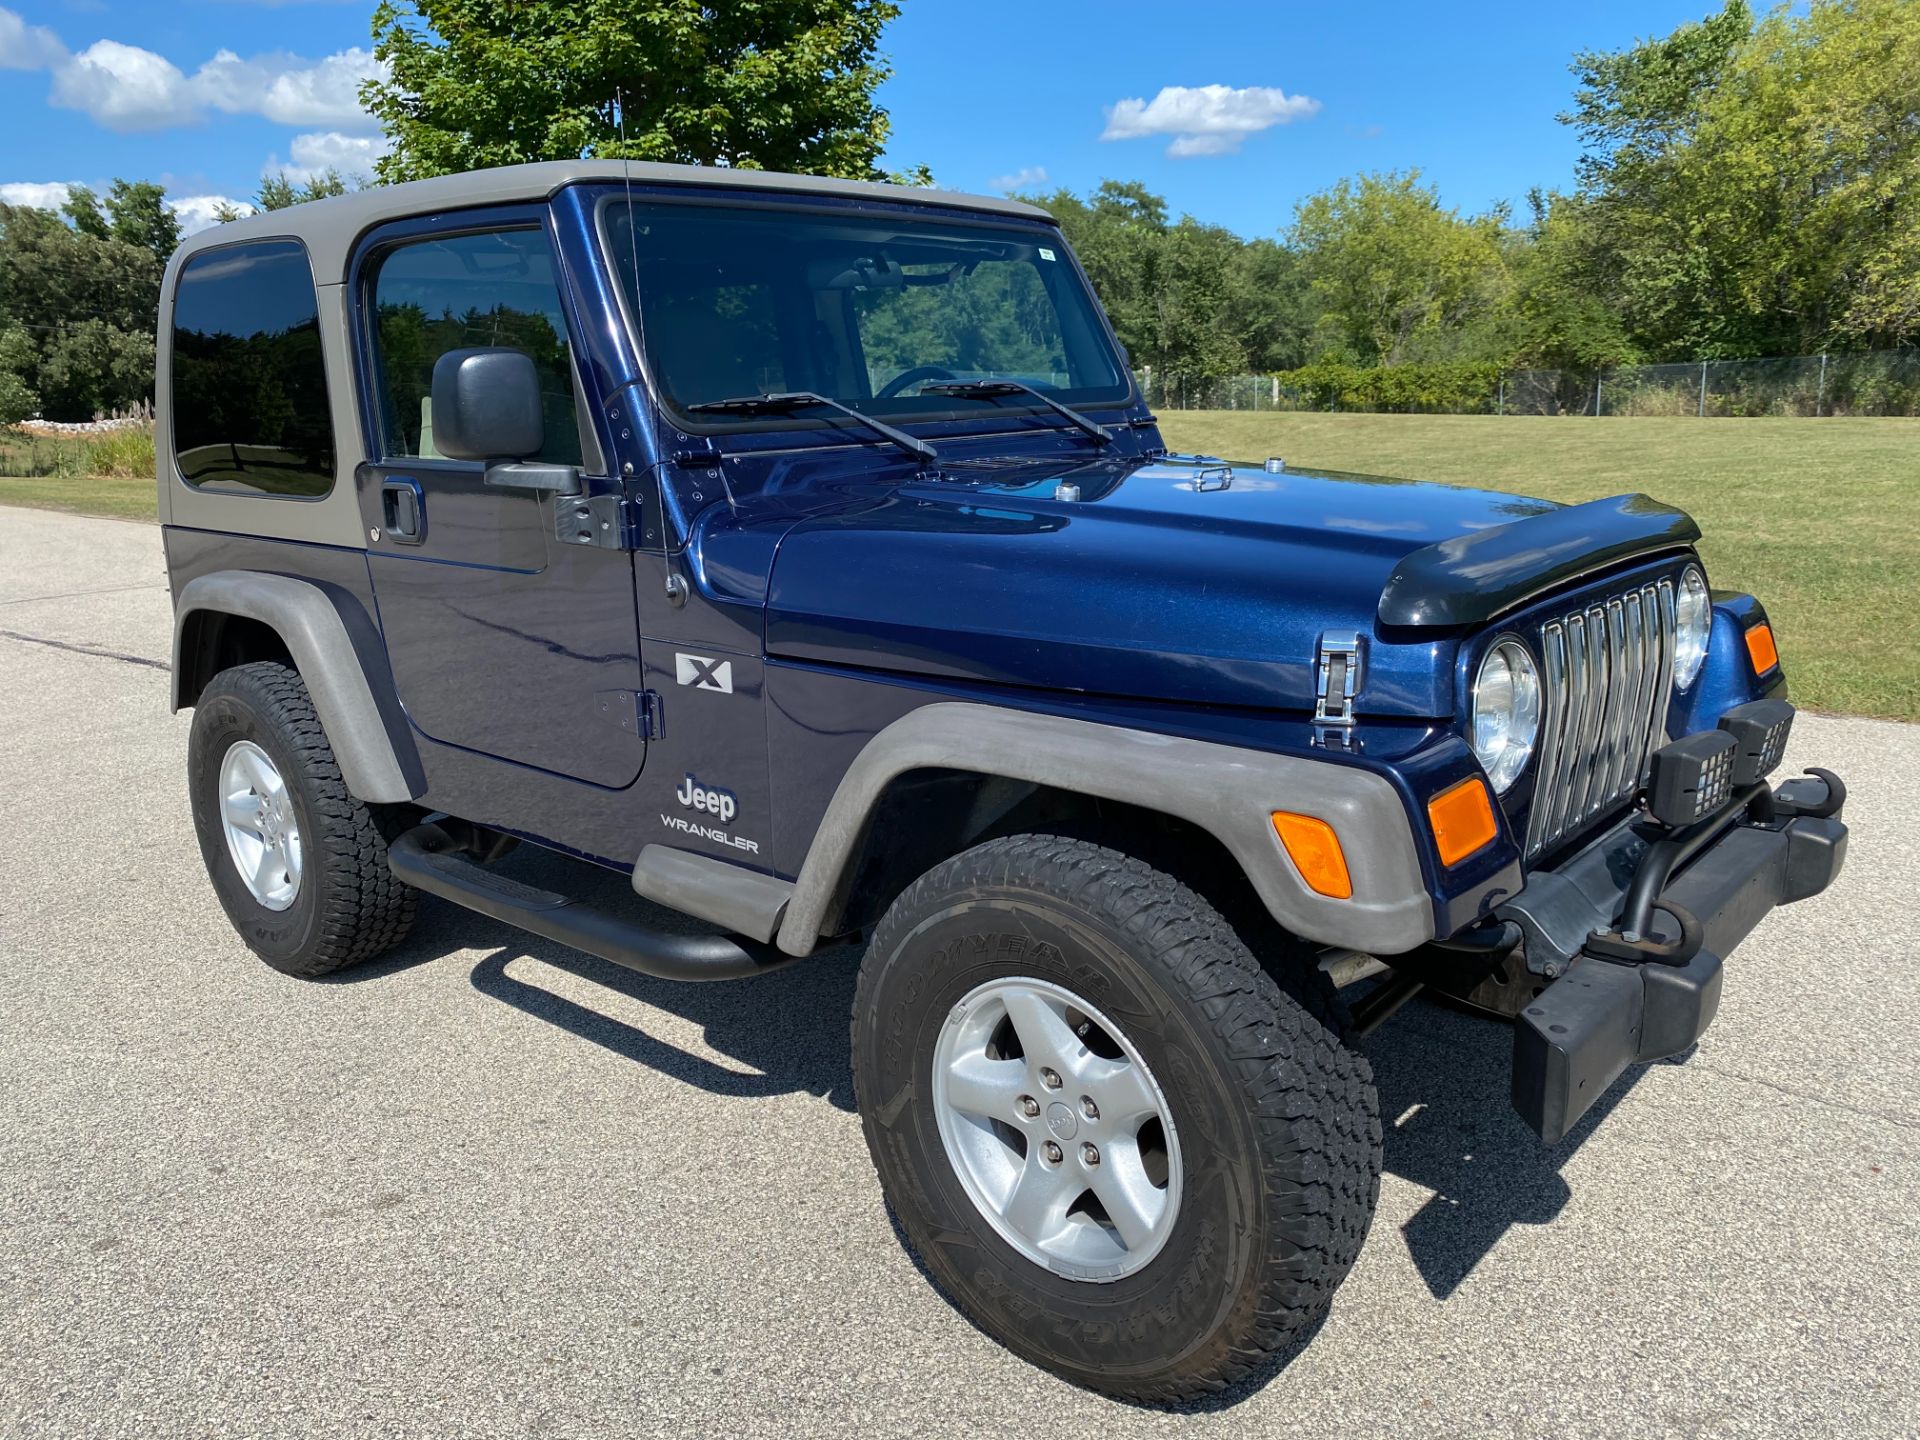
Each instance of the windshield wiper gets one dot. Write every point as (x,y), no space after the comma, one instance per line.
(807,400)
(987,389)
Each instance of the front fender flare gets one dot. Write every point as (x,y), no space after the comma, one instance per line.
(309,623)
(1225,790)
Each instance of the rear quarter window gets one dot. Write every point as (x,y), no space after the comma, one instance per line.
(250,403)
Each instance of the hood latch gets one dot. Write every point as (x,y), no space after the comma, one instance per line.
(1336,677)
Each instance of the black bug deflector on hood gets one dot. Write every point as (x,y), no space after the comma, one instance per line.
(1472,578)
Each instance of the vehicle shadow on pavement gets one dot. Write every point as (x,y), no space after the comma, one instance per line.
(1443,1075)
(787,1029)
(1444,1079)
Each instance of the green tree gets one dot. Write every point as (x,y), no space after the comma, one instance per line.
(762,84)
(1633,106)
(86,306)
(1118,233)
(1196,336)
(1817,119)
(279,190)
(1267,305)
(82,209)
(136,213)
(88,368)
(1752,187)
(1191,300)
(1562,312)
(141,216)
(17,359)
(1395,275)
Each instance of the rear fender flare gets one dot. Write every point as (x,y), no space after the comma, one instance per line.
(309,623)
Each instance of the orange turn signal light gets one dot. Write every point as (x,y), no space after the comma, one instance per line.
(1761,649)
(1315,851)
(1462,820)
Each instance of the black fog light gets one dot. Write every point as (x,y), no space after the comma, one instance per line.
(1759,729)
(1691,777)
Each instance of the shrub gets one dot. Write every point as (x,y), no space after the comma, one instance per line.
(123,454)
(1458,387)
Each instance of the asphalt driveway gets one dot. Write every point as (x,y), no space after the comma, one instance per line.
(490,1186)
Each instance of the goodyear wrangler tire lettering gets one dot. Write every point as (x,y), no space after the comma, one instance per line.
(1278,1136)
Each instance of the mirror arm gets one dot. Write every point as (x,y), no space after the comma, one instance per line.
(532,475)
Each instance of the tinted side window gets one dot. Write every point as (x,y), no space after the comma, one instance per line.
(250,409)
(492,288)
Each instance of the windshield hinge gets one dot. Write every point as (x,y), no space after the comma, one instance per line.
(1336,677)
(601,520)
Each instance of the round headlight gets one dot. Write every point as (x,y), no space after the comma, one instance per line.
(1506,712)
(1693,623)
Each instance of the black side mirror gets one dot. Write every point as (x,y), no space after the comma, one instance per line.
(486,406)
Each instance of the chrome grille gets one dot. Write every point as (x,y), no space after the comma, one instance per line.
(1607,673)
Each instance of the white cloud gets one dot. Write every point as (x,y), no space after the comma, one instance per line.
(288,90)
(124,87)
(1027,177)
(1185,147)
(315,154)
(196,212)
(201,212)
(27,47)
(36,194)
(1206,119)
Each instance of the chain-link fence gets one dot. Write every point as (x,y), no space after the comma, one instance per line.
(1873,384)
(1218,392)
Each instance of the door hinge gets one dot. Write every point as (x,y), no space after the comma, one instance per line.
(600,520)
(635,712)
(653,715)
(1337,677)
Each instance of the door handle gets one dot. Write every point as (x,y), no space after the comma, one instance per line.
(403,509)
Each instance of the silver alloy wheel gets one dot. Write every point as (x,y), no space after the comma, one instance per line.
(1057,1129)
(263,834)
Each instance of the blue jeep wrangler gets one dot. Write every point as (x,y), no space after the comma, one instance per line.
(804,550)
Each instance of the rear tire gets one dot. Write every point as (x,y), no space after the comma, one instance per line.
(1276,1169)
(327,899)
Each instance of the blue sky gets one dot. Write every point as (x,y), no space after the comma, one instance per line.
(1234,111)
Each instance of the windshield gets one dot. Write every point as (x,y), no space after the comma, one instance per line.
(865,310)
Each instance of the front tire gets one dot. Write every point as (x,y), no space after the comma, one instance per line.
(298,863)
(1260,1155)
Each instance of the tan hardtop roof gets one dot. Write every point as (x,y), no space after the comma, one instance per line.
(330,227)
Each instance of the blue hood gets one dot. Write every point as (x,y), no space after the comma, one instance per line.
(1165,579)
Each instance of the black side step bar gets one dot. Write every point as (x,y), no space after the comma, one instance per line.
(426,858)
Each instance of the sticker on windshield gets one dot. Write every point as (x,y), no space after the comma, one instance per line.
(1045,254)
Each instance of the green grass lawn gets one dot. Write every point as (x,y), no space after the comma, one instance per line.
(121,498)
(1819,518)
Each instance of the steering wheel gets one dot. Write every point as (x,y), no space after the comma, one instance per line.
(912,377)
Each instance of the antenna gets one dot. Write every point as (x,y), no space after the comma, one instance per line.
(676,588)
(633,234)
